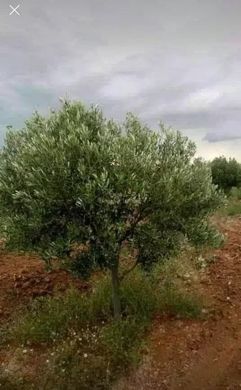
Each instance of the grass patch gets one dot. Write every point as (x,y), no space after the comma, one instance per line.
(232,206)
(94,357)
(48,319)
(235,193)
(89,348)
(181,304)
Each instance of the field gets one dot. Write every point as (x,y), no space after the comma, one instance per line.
(193,332)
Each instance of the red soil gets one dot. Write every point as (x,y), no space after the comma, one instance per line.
(23,277)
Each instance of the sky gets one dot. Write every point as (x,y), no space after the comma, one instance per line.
(175,61)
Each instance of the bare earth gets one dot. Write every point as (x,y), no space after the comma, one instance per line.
(23,277)
(182,354)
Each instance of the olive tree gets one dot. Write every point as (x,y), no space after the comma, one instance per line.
(226,173)
(77,178)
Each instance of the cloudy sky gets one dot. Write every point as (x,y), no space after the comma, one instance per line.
(176,61)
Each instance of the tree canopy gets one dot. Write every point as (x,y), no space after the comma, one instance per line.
(226,173)
(77,178)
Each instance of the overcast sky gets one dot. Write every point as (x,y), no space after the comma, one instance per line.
(176,61)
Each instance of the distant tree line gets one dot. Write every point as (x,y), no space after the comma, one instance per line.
(226,173)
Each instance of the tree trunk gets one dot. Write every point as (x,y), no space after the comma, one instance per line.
(116,291)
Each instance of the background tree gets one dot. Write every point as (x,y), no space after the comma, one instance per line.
(226,173)
(76,178)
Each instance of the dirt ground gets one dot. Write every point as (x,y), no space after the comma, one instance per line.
(181,354)
(23,277)
(200,355)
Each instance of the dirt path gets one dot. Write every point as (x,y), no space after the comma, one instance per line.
(200,355)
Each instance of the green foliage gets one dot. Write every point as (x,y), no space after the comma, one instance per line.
(206,235)
(232,208)
(226,173)
(76,178)
(232,205)
(235,193)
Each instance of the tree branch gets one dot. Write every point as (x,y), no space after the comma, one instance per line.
(131,228)
(125,273)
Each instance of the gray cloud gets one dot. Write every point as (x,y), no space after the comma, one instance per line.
(176,61)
